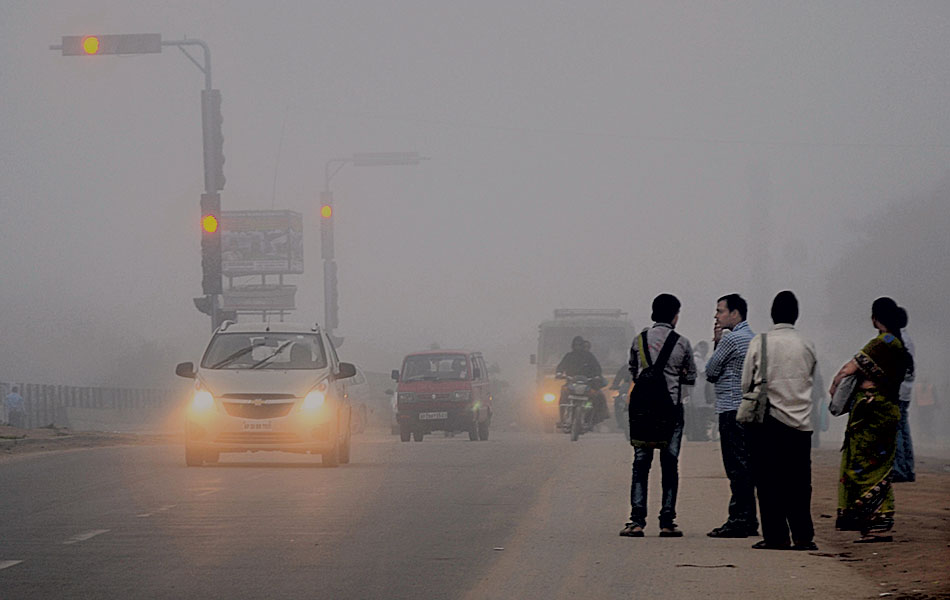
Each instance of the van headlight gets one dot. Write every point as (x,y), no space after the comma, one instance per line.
(549,397)
(202,402)
(462,396)
(315,399)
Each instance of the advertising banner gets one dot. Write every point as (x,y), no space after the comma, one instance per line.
(261,242)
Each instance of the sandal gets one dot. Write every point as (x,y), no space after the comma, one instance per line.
(631,530)
(671,531)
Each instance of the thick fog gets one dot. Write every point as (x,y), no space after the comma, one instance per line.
(582,155)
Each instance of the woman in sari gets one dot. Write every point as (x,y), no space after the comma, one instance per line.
(865,495)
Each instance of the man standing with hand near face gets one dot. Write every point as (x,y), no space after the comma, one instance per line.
(724,370)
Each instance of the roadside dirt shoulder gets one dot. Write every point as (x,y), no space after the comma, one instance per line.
(17,442)
(916,565)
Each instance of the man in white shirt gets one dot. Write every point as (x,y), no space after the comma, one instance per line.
(781,446)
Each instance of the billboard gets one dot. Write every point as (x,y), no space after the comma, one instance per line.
(259,297)
(261,242)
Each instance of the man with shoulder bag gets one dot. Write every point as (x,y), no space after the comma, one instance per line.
(661,362)
(781,363)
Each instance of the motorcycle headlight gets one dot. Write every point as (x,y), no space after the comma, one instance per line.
(202,402)
(549,397)
(314,400)
(463,396)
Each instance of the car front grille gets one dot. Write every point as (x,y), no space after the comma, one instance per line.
(262,411)
(257,437)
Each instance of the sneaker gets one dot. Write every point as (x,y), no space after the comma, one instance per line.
(763,545)
(670,531)
(807,546)
(728,531)
(631,530)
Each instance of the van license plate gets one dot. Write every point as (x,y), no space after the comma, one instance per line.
(432,416)
(258,426)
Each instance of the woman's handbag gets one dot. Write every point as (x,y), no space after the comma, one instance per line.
(755,405)
(844,396)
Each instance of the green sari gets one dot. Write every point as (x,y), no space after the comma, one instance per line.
(865,495)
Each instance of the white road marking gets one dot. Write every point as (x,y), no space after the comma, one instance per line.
(167,507)
(5,564)
(144,515)
(82,537)
(205,491)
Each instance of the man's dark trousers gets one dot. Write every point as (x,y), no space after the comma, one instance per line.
(781,458)
(669,459)
(735,458)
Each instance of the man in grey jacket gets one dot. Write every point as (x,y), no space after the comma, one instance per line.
(781,445)
(679,370)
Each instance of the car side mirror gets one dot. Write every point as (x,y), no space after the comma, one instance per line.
(395,375)
(347,370)
(534,359)
(186,370)
(476,373)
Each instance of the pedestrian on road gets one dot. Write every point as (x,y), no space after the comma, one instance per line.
(16,408)
(679,370)
(724,369)
(865,494)
(780,446)
(904,460)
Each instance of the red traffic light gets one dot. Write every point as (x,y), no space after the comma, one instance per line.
(209,223)
(326,211)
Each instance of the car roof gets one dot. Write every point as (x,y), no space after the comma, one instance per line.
(449,351)
(259,327)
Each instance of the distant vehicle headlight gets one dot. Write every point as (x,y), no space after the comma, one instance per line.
(462,396)
(315,399)
(203,401)
(549,397)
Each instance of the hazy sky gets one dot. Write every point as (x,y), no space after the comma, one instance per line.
(583,155)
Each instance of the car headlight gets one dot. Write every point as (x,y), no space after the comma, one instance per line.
(315,399)
(549,397)
(462,396)
(202,402)
(405,397)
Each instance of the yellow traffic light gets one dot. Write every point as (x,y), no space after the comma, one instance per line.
(326,211)
(209,223)
(90,44)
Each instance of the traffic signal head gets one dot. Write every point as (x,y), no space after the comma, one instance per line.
(211,121)
(326,211)
(210,244)
(94,45)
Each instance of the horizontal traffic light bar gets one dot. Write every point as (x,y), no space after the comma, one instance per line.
(128,43)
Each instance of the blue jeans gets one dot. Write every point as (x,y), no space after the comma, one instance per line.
(904,459)
(669,459)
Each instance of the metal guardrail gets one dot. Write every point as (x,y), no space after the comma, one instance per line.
(49,404)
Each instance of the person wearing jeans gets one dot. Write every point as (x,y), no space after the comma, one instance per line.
(669,460)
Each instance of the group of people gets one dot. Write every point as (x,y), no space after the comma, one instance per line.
(770,461)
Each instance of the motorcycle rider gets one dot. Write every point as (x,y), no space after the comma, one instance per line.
(581,361)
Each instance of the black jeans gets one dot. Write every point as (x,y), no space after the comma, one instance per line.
(781,459)
(735,458)
(669,459)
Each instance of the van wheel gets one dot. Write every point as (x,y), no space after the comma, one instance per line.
(473,430)
(193,456)
(417,435)
(212,457)
(332,458)
(404,432)
(483,430)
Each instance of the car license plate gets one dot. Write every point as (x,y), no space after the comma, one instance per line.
(432,416)
(577,397)
(258,426)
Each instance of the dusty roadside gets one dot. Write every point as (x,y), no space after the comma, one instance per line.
(916,565)
(17,442)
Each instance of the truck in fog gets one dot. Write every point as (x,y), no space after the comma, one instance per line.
(610,335)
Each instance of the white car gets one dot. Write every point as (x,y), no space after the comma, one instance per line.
(268,386)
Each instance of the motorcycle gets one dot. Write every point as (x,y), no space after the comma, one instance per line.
(576,406)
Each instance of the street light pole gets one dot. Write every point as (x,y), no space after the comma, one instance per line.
(331,319)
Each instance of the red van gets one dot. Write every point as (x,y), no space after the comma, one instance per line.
(443,390)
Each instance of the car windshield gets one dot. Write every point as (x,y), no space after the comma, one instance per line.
(281,351)
(435,367)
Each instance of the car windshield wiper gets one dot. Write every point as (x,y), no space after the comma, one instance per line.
(276,351)
(233,357)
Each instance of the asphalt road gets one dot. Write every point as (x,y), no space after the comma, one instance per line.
(519,516)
